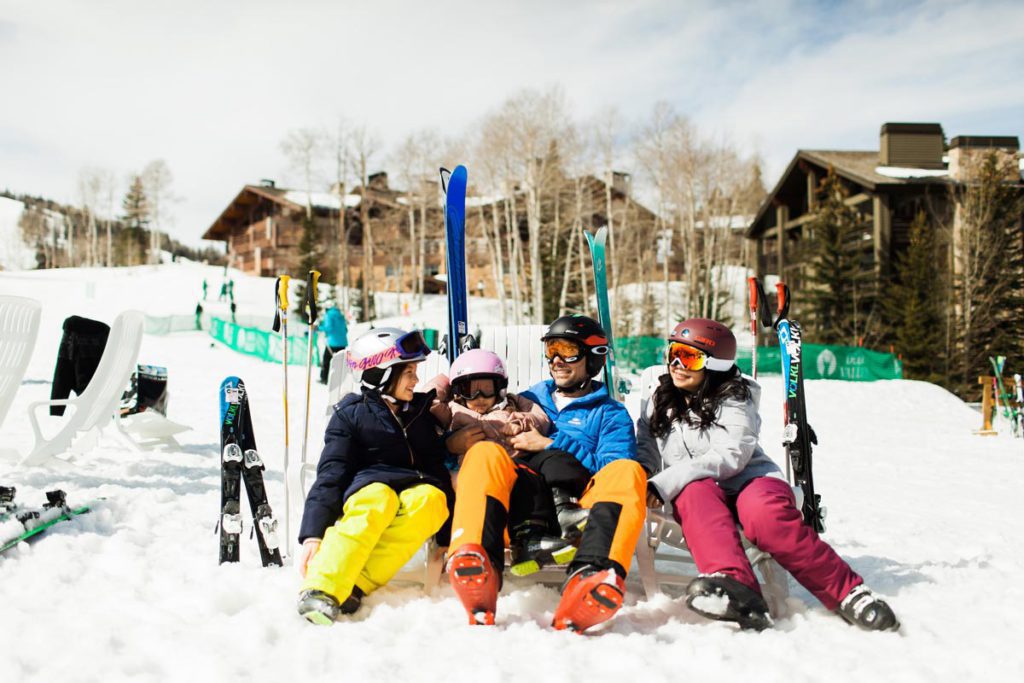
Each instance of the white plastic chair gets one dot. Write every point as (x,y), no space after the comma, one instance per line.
(99,404)
(19,329)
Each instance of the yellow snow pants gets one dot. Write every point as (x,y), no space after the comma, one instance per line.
(378,532)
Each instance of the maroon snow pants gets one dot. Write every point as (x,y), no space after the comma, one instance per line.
(766,509)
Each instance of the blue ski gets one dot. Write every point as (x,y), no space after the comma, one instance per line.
(596,244)
(453,183)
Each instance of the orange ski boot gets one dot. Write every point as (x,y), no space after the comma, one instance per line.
(590,596)
(475,582)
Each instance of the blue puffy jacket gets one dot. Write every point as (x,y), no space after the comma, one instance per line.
(335,327)
(595,428)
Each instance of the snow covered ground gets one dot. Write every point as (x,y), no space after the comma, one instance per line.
(925,510)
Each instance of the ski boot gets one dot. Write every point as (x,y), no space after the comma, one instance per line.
(717,596)
(571,517)
(861,608)
(590,596)
(318,607)
(475,582)
(533,549)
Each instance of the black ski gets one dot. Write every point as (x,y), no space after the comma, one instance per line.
(798,436)
(230,522)
(263,523)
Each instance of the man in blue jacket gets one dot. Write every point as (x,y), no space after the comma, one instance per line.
(590,454)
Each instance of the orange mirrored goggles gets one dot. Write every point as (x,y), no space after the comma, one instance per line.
(686,356)
(569,351)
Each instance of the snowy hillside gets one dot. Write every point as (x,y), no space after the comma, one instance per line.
(926,511)
(14,253)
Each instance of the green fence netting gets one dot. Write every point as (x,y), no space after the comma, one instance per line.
(168,324)
(263,344)
(852,363)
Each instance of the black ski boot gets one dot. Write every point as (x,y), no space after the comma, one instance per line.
(353,601)
(571,517)
(861,608)
(717,596)
(532,548)
(319,608)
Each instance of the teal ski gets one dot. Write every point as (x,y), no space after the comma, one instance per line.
(32,522)
(596,243)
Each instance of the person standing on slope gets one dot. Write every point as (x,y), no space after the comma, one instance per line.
(336,330)
(381,487)
(591,432)
(702,423)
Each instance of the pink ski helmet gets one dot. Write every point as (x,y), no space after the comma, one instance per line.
(479,364)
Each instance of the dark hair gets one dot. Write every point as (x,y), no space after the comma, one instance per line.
(699,409)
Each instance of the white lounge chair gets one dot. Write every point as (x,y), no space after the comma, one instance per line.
(99,404)
(19,329)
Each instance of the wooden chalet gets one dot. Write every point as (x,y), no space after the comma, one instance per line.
(910,172)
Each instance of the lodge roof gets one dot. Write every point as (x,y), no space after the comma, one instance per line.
(294,200)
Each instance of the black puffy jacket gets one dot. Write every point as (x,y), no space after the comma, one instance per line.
(366,443)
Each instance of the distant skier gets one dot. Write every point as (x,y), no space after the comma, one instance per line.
(231,291)
(702,422)
(223,291)
(204,289)
(336,330)
(199,315)
(381,488)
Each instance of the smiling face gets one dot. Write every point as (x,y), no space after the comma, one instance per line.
(687,380)
(404,384)
(568,375)
(481,404)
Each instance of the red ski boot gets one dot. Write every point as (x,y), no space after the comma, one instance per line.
(475,582)
(590,596)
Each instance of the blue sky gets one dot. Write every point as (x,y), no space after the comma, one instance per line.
(213,87)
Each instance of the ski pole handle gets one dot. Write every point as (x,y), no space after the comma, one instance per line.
(312,280)
(282,294)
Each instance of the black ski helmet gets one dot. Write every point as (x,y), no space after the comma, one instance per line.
(586,332)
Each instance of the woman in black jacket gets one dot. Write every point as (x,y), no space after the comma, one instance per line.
(381,487)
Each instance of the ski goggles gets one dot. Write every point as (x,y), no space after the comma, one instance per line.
(693,359)
(412,345)
(568,350)
(461,390)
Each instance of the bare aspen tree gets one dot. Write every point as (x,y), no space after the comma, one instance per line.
(302,148)
(343,279)
(364,146)
(157,179)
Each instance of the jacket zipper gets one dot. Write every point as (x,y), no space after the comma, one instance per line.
(405,433)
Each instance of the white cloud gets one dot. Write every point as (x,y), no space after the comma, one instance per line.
(212,87)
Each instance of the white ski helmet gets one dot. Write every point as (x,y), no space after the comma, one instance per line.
(372,356)
(480,363)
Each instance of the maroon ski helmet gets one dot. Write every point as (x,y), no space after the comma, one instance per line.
(709,336)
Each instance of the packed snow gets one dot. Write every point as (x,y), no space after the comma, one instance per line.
(925,510)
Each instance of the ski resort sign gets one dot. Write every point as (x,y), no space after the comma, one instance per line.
(850,363)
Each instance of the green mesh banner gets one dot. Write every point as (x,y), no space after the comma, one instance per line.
(263,344)
(168,324)
(852,363)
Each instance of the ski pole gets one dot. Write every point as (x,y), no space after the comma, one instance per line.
(752,289)
(312,278)
(281,324)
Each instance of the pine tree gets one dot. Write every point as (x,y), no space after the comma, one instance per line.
(136,218)
(838,293)
(308,260)
(914,306)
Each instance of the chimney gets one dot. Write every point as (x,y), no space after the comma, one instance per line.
(963,146)
(621,182)
(912,145)
(378,181)
(266,182)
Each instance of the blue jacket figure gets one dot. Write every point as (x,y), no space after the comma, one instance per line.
(336,329)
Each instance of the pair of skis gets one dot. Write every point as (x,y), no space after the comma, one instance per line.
(1010,411)
(596,242)
(241,464)
(18,523)
(798,436)
(453,185)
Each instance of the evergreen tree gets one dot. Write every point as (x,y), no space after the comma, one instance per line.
(838,293)
(308,260)
(136,217)
(914,305)
(989,292)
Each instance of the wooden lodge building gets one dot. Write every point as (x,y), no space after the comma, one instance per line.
(262,227)
(911,171)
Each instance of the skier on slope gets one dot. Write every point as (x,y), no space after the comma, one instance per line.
(597,431)
(336,329)
(381,488)
(483,410)
(702,422)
